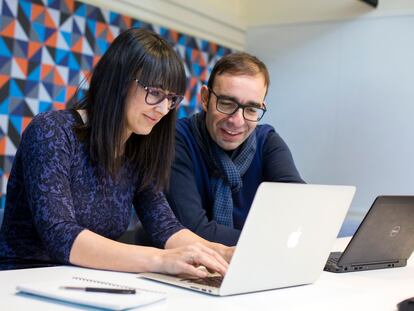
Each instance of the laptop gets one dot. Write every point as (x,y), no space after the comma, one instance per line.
(384,239)
(285,241)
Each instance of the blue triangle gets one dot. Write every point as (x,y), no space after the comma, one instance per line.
(34,75)
(61,97)
(102,44)
(45,106)
(113,18)
(73,63)
(16,121)
(76,29)
(81,11)
(15,90)
(4,50)
(66,36)
(26,8)
(60,55)
(40,30)
(6,10)
(4,106)
(91,24)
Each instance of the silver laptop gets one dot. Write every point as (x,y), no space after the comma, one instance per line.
(384,239)
(286,240)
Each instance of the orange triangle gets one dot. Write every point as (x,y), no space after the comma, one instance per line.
(45,70)
(8,31)
(96,60)
(23,64)
(57,78)
(49,22)
(70,4)
(100,27)
(70,92)
(174,35)
(109,35)
(3,145)
(77,47)
(36,11)
(59,106)
(33,48)
(3,80)
(25,122)
(52,40)
(128,21)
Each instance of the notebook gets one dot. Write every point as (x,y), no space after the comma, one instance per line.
(285,241)
(384,239)
(111,301)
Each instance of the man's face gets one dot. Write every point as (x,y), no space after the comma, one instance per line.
(230,131)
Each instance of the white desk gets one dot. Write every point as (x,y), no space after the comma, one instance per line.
(370,290)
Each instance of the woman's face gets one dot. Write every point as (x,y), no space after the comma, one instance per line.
(142,117)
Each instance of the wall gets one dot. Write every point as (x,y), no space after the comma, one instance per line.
(47,50)
(341,95)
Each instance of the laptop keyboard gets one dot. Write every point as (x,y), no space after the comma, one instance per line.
(213,281)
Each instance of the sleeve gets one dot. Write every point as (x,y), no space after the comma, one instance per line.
(156,216)
(278,161)
(46,155)
(186,202)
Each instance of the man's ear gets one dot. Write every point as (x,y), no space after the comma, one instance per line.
(205,94)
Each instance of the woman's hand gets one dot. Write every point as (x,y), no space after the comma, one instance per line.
(187,259)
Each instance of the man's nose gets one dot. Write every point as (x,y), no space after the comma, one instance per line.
(237,117)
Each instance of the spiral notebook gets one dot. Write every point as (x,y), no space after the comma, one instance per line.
(110,301)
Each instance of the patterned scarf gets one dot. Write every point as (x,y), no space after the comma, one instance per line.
(227,170)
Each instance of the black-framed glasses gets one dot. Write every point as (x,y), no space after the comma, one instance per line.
(155,96)
(229,106)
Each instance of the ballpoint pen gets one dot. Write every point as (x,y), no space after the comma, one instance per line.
(102,289)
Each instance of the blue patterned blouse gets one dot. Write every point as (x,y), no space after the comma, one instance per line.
(54,192)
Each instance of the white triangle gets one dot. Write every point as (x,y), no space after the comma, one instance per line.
(10,147)
(64,73)
(54,15)
(43,94)
(115,30)
(105,14)
(19,32)
(33,105)
(61,42)
(4,122)
(12,4)
(80,21)
(4,184)
(67,25)
(86,48)
(46,58)
(16,72)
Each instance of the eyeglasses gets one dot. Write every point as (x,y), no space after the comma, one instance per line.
(229,106)
(155,96)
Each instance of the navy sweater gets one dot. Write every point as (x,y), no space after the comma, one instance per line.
(54,192)
(190,194)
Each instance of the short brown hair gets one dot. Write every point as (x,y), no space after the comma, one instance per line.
(239,63)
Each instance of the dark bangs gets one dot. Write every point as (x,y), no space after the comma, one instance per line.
(161,67)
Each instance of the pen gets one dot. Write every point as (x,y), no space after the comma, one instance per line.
(102,289)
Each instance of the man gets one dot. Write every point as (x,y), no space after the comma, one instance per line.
(222,155)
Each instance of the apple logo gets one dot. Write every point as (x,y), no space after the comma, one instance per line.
(293,239)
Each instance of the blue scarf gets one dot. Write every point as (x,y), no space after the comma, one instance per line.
(228,170)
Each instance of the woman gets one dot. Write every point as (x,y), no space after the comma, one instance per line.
(77,172)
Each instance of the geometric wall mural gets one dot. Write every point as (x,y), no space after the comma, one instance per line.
(48,47)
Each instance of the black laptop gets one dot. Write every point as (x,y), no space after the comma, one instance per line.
(384,239)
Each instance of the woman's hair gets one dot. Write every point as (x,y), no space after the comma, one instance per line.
(134,54)
(239,63)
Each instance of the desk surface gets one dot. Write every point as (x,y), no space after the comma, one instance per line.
(369,290)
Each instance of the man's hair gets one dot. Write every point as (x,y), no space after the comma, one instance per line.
(134,54)
(239,63)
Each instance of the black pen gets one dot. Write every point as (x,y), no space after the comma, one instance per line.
(102,289)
